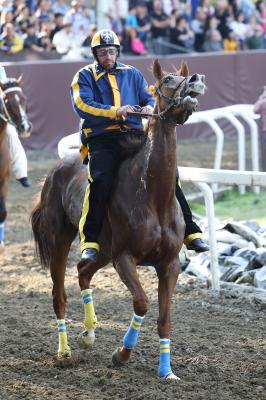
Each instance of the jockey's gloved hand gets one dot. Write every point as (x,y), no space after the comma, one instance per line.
(147,110)
(121,112)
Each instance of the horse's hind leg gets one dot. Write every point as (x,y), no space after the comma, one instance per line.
(58,268)
(126,268)
(87,337)
(167,280)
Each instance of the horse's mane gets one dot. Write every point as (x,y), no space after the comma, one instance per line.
(9,83)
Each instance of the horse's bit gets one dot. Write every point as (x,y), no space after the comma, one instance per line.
(171,101)
(6,115)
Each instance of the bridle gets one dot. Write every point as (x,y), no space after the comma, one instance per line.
(5,116)
(174,100)
(171,101)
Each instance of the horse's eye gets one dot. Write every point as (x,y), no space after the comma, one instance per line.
(167,79)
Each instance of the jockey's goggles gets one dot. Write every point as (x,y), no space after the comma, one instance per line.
(112,51)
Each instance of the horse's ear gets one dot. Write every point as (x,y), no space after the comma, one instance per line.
(19,80)
(184,71)
(157,70)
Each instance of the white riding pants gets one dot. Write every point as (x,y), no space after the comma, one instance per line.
(17,153)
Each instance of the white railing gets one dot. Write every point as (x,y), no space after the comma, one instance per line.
(230,113)
(201,177)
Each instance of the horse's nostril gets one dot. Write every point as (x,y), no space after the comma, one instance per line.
(193,78)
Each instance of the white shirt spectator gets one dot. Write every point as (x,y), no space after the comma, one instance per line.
(65,40)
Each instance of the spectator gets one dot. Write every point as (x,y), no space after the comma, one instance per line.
(160,28)
(10,41)
(207,8)
(255,36)
(213,41)
(223,16)
(44,36)
(60,7)
(198,27)
(240,29)
(261,7)
(23,17)
(248,8)
(65,41)
(143,22)
(44,11)
(80,21)
(133,42)
(31,40)
(231,43)
(6,17)
(58,24)
(182,35)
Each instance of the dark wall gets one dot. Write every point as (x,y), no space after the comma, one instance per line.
(230,78)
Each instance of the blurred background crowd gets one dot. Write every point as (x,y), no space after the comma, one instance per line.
(159,27)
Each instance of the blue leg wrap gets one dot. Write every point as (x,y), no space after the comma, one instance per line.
(2,231)
(131,337)
(164,362)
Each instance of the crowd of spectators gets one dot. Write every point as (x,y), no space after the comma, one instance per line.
(143,26)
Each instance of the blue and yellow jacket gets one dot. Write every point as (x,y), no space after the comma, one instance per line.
(96,104)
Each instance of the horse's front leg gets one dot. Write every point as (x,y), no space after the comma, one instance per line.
(167,276)
(126,268)
(3,214)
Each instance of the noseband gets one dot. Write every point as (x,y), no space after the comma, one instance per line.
(5,116)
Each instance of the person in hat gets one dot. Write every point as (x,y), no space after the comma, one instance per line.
(103,94)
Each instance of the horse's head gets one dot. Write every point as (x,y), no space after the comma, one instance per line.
(177,92)
(14,106)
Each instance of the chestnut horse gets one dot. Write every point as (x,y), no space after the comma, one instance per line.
(143,223)
(12,111)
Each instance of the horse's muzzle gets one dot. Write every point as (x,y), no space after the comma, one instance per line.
(25,129)
(196,85)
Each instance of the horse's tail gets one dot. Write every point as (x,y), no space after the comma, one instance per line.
(41,238)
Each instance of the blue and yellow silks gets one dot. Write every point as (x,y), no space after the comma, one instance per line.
(96,104)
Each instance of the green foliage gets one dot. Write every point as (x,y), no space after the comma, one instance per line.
(239,207)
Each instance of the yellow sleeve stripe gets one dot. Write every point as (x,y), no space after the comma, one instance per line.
(99,112)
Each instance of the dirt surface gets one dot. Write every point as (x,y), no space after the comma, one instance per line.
(218,341)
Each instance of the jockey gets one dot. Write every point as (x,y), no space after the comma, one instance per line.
(17,153)
(103,94)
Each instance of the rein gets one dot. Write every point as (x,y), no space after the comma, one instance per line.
(6,115)
(171,101)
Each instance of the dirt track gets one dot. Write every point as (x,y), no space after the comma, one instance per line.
(218,342)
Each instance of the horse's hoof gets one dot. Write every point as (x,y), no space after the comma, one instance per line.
(62,356)
(171,377)
(117,362)
(86,338)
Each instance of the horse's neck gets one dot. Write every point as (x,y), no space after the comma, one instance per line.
(161,162)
